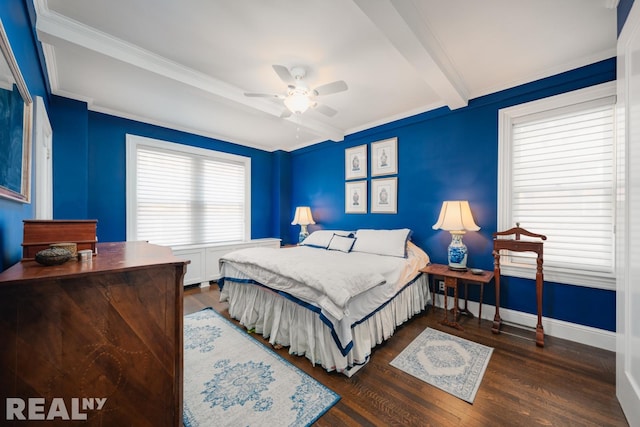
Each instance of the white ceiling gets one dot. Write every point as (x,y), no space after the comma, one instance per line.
(186,64)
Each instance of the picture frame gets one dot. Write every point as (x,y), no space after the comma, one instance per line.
(384,195)
(384,157)
(355,162)
(355,197)
(15,133)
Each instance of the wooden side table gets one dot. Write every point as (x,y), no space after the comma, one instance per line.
(451,278)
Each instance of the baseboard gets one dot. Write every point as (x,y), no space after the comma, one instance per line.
(556,328)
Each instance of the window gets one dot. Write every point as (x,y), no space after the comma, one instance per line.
(181,195)
(556,176)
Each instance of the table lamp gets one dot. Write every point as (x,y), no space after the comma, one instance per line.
(455,217)
(303,218)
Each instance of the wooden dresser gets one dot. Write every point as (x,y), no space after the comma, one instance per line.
(109,328)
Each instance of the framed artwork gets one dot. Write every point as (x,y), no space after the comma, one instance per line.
(16,107)
(384,195)
(384,157)
(355,162)
(355,197)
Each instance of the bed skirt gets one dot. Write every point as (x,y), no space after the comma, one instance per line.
(286,323)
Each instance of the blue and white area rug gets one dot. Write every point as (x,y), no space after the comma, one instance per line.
(448,362)
(230,379)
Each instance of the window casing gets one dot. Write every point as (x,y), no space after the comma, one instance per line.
(43,160)
(180,195)
(556,176)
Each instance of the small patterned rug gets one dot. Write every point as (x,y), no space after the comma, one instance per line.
(451,363)
(230,379)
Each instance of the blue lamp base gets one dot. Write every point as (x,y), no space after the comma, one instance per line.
(303,233)
(457,252)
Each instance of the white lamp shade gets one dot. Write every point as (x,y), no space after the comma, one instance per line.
(456,216)
(303,216)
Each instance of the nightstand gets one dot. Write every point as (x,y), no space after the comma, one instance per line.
(451,279)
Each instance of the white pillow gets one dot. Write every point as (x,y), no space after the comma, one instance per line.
(382,242)
(322,238)
(341,243)
(318,239)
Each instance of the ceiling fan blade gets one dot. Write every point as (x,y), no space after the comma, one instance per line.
(329,88)
(262,95)
(327,111)
(284,74)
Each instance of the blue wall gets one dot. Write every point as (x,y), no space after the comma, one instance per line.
(69,121)
(281,161)
(450,155)
(18,26)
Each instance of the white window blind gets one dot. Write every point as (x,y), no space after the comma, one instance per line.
(184,195)
(560,168)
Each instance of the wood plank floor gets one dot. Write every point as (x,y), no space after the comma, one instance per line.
(562,384)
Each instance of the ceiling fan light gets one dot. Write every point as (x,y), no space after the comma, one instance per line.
(297,103)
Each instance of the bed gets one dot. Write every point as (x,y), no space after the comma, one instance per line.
(332,298)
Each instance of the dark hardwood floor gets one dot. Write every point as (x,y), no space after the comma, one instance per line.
(562,384)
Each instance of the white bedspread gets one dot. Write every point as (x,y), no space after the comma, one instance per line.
(396,272)
(329,279)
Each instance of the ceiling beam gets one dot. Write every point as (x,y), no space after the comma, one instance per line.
(403,25)
(51,27)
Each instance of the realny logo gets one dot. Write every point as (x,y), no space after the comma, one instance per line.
(36,408)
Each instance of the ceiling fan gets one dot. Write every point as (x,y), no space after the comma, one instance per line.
(299,97)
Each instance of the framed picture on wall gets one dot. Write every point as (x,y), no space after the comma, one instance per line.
(384,195)
(384,157)
(355,197)
(355,162)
